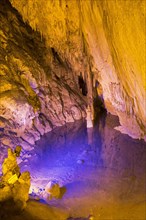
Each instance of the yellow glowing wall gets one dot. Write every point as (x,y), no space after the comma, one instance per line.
(111,33)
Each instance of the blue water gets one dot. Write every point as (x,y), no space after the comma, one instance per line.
(94,165)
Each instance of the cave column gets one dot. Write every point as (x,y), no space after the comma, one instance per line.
(90,108)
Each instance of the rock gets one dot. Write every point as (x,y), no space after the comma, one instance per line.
(40,80)
(27,156)
(28,137)
(17,150)
(40,127)
(14,185)
(76,113)
(52,189)
(115,78)
(26,146)
(35,97)
(21,189)
(6,141)
(90,217)
(19,160)
(9,166)
(89,118)
(80,161)
(5,193)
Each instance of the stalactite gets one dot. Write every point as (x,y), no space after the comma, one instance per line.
(107,31)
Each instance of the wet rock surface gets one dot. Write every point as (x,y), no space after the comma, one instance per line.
(35,95)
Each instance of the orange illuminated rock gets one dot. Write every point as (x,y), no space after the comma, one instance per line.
(10,168)
(102,41)
(14,185)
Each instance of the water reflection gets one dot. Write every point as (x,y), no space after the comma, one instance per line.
(102,169)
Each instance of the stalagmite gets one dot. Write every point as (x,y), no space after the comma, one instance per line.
(89,118)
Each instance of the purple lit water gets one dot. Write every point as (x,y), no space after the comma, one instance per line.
(102,170)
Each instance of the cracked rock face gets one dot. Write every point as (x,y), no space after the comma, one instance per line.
(38,90)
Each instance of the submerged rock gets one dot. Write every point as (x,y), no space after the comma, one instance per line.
(52,189)
(80,161)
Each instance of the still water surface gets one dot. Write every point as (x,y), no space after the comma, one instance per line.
(102,171)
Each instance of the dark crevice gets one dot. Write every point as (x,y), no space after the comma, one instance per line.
(82,85)
(43,117)
(98,101)
(56,56)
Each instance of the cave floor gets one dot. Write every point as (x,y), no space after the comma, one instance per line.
(101,173)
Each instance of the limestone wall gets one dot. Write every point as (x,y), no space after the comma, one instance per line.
(105,40)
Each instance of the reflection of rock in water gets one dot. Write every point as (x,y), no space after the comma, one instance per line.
(90,136)
(108,174)
(89,118)
(94,136)
(62,136)
(123,155)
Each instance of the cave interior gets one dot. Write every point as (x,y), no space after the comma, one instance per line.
(72,110)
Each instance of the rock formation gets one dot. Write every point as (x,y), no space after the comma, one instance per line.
(39,90)
(52,190)
(14,186)
(59,43)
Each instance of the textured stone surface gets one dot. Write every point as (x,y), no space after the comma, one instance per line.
(101,41)
(52,189)
(14,186)
(39,91)
(104,40)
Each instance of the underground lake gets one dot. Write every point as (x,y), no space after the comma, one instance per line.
(101,172)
